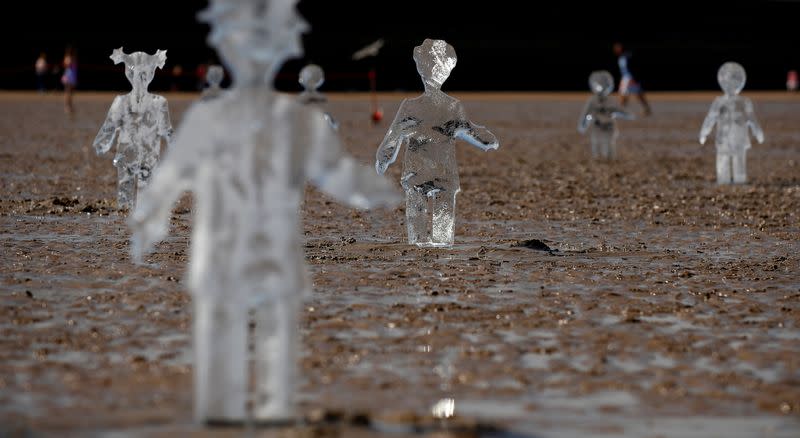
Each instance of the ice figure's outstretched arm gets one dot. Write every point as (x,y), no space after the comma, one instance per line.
(755,128)
(108,132)
(164,125)
(711,119)
(586,116)
(340,176)
(149,220)
(472,133)
(621,113)
(402,126)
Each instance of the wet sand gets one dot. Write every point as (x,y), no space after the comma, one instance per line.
(666,306)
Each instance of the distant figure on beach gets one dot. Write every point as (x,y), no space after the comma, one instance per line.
(137,121)
(311,78)
(214,76)
(175,77)
(41,68)
(247,156)
(599,116)
(733,115)
(791,81)
(628,84)
(69,78)
(200,76)
(429,125)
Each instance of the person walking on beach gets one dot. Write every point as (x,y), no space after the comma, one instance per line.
(627,84)
(70,78)
(41,72)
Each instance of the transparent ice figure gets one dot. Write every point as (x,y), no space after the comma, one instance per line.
(214,77)
(733,116)
(600,114)
(137,122)
(247,156)
(429,125)
(311,78)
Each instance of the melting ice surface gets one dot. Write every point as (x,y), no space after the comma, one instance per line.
(137,122)
(311,78)
(733,115)
(599,116)
(247,156)
(429,125)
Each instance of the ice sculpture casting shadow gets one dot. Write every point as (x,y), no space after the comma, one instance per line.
(214,77)
(246,156)
(311,78)
(733,115)
(429,125)
(600,114)
(137,121)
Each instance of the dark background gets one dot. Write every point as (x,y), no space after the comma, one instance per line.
(502,45)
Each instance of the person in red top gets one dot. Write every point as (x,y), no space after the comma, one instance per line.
(791,80)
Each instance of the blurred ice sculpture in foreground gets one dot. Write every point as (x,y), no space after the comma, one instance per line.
(311,77)
(137,121)
(599,116)
(214,77)
(429,125)
(247,156)
(733,115)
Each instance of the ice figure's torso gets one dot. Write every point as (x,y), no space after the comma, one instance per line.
(211,92)
(602,112)
(430,157)
(248,189)
(141,124)
(732,135)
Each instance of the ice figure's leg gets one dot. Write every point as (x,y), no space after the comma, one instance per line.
(723,168)
(275,359)
(611,147)
(417,217)
(220,369)
(605,147)
(126,186)
(595,144)
(144,171)
(146,168)
(740,167)
(444,216)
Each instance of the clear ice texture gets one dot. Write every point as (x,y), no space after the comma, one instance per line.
(600,114)
(429,125)
(733,115)
(214,77)
(311,78)
(137,122)
(247,156)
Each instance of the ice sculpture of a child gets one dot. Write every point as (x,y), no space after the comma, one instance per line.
(311,78)
(137,121)
(247,156)
(429,125)
(214,77)
(600,114)
(733,115)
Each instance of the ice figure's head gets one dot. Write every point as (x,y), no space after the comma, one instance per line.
(139,66)
(215,74)
(731,78)
(601,82)
(264,32)
(435,60)
(311,77)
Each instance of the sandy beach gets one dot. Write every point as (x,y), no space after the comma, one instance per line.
(666,305)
